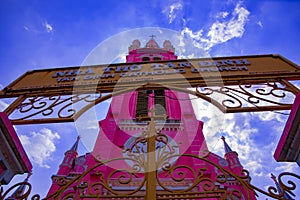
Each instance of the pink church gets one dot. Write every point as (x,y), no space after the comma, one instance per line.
(185,168)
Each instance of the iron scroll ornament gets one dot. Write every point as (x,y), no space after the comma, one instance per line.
(82,190)
(196,186)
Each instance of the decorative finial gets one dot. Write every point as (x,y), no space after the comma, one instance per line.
(273,177)
(75,145)
(226,146)
(152,36)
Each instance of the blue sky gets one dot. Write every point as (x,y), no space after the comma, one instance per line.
(45,34)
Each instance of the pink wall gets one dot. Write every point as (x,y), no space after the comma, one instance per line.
(185,131)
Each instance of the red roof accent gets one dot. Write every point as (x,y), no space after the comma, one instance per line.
(15,143)
(284,144)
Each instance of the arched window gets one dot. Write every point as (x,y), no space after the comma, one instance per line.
(160,102)
(156,58)
(146,59)
(141,104)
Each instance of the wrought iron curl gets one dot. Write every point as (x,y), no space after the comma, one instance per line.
(234,101)
(33,104)
(22,194)
(54,104)
(273,191)
(284,186)
(206,90)
(61,181)
(94,189)
(246,95)
(73,100)
(221,178)
(69,195)
(244,174)
(206,184)
(174,171)
(102,181)
(124,178)
(233,194)
(271,90)
(230,102)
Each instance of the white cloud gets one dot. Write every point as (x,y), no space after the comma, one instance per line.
(40,145)
(49,27)
(222,15)
(221,30)
(3,105)
(269,116)
(288,167)
(172,11)
(26,28)
(254,167)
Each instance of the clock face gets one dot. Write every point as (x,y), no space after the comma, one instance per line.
(137,147)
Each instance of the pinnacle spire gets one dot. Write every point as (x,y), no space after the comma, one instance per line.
(75,145)
(226,146)
(285,195)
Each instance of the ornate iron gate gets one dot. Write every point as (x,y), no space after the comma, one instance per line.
(144,175)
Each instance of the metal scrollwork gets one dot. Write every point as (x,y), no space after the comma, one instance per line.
(127,177)
(249,96)
(282,188)
(54,106)
(239,97)
(192,182)
(20,190)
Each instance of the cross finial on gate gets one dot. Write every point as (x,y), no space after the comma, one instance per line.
(153,115)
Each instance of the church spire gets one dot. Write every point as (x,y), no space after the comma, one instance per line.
(232,158)
(226,146)
(75,145)
(285,195)
(69,160)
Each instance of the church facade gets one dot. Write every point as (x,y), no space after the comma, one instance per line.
(117,166)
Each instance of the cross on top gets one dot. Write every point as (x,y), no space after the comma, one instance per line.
(152,36)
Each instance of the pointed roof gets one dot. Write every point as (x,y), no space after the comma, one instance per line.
(226,146)
(75,145)
(286,195)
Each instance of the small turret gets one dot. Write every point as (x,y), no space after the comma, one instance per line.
(168,46)
(136,44)
(232,158)
(68,163)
